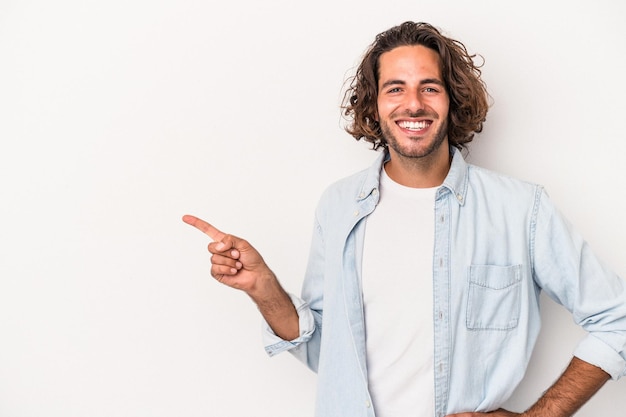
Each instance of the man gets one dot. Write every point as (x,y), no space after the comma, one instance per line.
(421,296)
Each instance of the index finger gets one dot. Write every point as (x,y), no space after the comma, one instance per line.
(204,227)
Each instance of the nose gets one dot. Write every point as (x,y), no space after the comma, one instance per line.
(413,102)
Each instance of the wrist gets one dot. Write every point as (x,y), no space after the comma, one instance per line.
(265,288)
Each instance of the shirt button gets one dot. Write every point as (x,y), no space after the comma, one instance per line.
(356,213)
(459,197)
(368,404)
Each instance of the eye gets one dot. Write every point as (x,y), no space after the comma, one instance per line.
(431,90)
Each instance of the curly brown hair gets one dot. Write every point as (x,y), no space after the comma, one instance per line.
(461,76)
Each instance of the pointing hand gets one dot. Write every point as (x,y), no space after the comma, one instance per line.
(234,261)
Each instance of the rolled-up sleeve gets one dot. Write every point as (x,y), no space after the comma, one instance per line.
(571,274)
(275,345)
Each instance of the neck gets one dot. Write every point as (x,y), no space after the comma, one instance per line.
(424,172)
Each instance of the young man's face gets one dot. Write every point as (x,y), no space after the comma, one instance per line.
(413,102)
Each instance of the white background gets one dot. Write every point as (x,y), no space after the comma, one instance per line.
(118,117)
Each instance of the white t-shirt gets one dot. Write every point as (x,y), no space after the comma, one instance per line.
(397,291)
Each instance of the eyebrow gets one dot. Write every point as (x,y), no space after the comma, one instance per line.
(422,82)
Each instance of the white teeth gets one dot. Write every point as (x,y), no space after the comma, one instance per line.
(405,124)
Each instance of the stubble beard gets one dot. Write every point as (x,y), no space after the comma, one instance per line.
(415,154)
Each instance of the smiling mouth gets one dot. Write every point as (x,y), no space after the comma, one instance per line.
(414,125)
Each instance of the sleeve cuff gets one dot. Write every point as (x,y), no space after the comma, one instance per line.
(275,345)
(596,352)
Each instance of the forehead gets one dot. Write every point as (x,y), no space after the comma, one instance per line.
(409,61)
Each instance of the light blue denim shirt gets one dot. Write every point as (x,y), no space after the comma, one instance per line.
(498,243)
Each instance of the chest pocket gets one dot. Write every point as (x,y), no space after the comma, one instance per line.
(493,301)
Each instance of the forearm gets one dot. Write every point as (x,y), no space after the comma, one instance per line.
(572,390)
(276,307)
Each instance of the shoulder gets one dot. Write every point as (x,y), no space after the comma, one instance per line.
(348,186)
(342,193)
(480,178)
(350,189)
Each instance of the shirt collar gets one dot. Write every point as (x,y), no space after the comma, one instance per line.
(456,181)
(371,181)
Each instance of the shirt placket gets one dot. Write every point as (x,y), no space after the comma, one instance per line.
(441,301)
